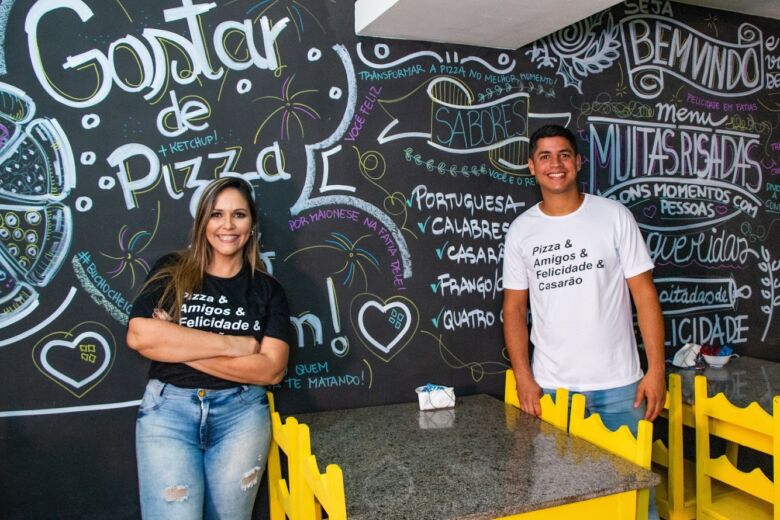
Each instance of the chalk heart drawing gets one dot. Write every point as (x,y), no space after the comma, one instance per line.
(94,343)
(385,327)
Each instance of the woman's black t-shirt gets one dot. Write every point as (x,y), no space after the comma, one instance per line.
(242,305)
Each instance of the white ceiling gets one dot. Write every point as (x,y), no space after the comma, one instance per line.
(765,8)
(501,24)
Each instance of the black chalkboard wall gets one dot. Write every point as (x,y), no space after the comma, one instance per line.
(386,173)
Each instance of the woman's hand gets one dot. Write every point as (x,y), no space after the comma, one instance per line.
(264,368)
(242,346)
(160,314)
(237,346)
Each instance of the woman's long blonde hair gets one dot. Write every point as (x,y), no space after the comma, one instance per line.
(185,276)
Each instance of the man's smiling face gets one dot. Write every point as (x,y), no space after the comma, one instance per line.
(555,164)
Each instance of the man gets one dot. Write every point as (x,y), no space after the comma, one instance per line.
(582,259)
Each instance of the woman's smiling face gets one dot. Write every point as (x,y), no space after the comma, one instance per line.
(229,226)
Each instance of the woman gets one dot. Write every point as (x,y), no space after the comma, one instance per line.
(216,329)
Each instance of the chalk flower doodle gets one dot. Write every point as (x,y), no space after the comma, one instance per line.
(384,327)
(353,255)
(130,248)
(130,257)
(579,50)
(78,359)
(289,110)
(37,173)
(771,283)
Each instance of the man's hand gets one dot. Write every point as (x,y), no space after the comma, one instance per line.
(529,393)
(651,326)
(652,388)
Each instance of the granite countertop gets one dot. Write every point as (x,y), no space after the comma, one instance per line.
(743,380)
(481,459)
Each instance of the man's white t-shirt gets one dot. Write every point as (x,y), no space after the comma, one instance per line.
(574,268)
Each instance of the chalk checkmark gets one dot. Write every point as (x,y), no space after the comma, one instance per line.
(409,202)
(435,320)
(440,250)
(423,225)
(435,286)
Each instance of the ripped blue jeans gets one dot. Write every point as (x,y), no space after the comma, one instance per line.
(201,453)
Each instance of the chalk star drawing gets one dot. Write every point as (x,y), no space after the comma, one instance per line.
(384,327)
(289,109)
(130,248)
(351,253)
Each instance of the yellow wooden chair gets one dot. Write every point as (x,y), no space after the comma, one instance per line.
(676,494)
(555,413)
(276,497)
(287,497)
(327,488)
(621,442)
(750,495)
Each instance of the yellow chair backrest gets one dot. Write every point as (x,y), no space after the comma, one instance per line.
(555,413)
(678,499)
(288,497)
(673,411)
(276,497)
(751,427)
(327,488)
(621,442)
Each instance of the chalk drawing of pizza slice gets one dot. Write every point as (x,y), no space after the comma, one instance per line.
(17,298)
(36,167)
(37,172)
(34,240)
(385,327)
(15,108)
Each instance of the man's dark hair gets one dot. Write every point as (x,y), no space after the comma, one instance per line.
(552,131)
